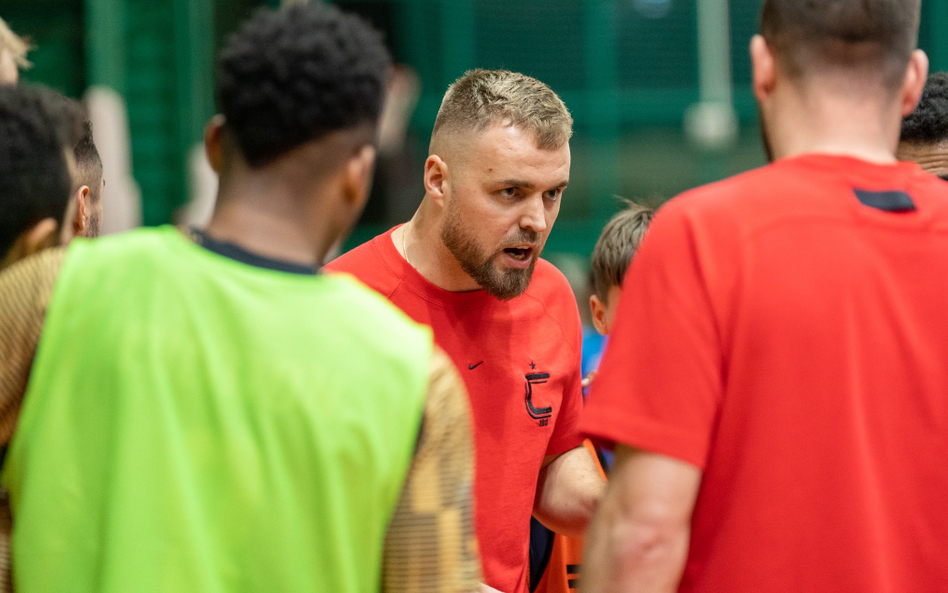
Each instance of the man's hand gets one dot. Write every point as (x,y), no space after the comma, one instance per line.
(588,380)
(639,538)
(568,492)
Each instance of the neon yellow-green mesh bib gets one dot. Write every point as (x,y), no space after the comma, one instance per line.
(197,424)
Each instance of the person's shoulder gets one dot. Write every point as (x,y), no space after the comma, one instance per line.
(549,284)
(735,207)
(367,263)
(372,318)
(727,195)
(550,289)
(137,246)
(364,257)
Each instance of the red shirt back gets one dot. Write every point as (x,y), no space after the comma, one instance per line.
(520,360)
(792,342)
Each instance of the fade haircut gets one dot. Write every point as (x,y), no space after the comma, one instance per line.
(88,163)
(618,242)
(928,124)
(37,127)
(869,36)
(482,98)
(292,76)
(14,44)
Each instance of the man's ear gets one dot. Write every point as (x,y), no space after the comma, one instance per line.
(81,219)
(357,177)
(914,82)
(763,68)
(598,310)
(214,142)
(436,171)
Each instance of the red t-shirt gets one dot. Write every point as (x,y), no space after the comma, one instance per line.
(520,360)
(792,342)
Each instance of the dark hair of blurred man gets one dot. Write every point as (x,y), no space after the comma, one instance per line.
(925,132)
(775,384)
(36,128)
(89,183)
(233,420)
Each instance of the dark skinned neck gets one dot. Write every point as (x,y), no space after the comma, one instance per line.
(268,219)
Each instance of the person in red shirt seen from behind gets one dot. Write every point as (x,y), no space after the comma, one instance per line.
(468,264)
(776,381)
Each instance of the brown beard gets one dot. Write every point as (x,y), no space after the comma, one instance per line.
(94,225)
(504,285)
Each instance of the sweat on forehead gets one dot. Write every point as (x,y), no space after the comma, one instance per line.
(482,98)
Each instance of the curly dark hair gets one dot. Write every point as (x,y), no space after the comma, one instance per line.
(928,124)
(37,127)
(291,76)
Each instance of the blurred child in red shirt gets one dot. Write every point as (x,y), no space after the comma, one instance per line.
(610,259)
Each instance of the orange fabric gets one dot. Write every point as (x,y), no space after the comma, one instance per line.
(562,572)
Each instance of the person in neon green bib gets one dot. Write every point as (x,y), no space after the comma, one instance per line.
(205,412)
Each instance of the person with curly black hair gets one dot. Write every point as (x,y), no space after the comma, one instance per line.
(36,127)
(234,420)
(925,132)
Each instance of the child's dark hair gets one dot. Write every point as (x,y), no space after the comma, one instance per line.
(616,246)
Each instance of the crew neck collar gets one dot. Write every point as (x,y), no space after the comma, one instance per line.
(238,253)
(423,287)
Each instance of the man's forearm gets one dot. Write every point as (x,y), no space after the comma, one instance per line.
(639,538)
(625,555)
(568,492)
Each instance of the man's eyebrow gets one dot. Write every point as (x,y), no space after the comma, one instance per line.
(528,185)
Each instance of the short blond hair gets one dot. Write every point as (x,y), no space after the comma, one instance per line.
(13,43)
(617,244)
(482,98)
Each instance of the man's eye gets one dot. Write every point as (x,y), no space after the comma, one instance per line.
(553,194)
(508,192)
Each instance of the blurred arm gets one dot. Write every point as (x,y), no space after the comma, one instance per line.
(25,290)
(430,545)
(639,538)
(568,492)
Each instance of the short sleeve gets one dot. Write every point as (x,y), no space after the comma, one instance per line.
(431,546)
(566,435)
(660,384)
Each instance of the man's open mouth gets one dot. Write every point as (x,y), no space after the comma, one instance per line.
(519,253)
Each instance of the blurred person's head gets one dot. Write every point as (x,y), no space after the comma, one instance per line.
(38,130)
(816,56)
(924,137)
(300,92)
(89,185)
(613,253)
(13,50)
(499,162)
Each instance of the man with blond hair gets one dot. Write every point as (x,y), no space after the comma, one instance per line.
(468,265)
(12,55)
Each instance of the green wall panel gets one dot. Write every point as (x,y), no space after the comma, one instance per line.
(56,30)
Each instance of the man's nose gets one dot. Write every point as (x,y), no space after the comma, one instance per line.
(533,217)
